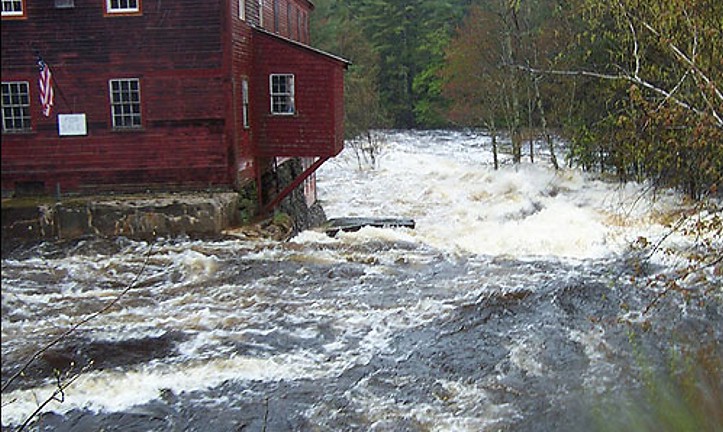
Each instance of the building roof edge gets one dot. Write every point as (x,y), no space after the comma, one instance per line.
(302,45)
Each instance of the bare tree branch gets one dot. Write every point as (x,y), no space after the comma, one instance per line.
(58,396)
(72,329)
(635,76)
(681,55)
(694,67)
(624,77)
(636,46)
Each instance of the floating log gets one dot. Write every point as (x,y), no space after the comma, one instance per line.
(350,224)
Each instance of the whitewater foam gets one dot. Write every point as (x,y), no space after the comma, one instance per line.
(464,206)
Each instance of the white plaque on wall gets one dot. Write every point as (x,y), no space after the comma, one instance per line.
(72,125)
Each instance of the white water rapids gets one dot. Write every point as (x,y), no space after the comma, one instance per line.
(462,205)
(381,329)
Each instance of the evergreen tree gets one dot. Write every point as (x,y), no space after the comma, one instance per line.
(409,36)
(335,31)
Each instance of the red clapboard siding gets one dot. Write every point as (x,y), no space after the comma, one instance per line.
(191,59)
(315,129)
(286,18)
(174,48)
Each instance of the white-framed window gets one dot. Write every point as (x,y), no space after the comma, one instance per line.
(125,103)
(242,9)
(123,6)
(261,13)
(298,25)
(282,94)
(13,8)
(288,20)
(304,28)
(64,4)
(16,106)
(245,103)
(276,15)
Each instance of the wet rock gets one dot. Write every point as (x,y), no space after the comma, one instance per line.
(80,355)
(350,224)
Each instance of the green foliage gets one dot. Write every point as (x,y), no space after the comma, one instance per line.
(248,203)
(657,114)
(409,37)
(484,75)
(635,85)
(334,30)
(473,82)
(429,110)
(685,395)
(680,389)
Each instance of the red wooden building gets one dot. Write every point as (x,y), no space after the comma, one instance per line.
(152,94)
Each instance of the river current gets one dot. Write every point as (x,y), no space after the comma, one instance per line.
(515,304)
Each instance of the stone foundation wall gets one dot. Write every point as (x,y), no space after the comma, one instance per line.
(153,215)
(193,214)
(303,216)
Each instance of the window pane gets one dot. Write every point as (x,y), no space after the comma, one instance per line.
(126,103)
(12,7)
(282,94)
(122,5)
(15,106)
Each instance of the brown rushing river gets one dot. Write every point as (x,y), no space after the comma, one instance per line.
(511,306)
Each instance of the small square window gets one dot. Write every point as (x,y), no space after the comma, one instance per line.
(125,103)
(13,8)
(64,4)
(282,94)
(123,6)
(16,106)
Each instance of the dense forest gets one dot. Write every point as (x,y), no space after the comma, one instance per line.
(635,87)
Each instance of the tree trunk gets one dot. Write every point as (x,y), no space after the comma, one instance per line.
(513,97)
(530,124)
(543,121)
(495,159)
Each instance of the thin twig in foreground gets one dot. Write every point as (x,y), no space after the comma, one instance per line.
(80,323)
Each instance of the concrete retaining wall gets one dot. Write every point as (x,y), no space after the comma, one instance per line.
(134,217)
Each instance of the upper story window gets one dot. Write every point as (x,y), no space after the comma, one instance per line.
(16,106)
(298,25)
(242,9)
(276,16)
(261,13)
(304,37)
(13,8)
(245,103)
(288,21)
(125,103)
(282,94)
(123,6)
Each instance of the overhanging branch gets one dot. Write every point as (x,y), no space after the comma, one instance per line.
(624,77)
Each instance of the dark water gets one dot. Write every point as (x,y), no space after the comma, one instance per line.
(379,330)
(431,343)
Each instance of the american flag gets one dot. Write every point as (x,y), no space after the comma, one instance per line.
(46,87)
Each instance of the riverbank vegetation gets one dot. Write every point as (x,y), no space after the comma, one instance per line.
(634,86)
